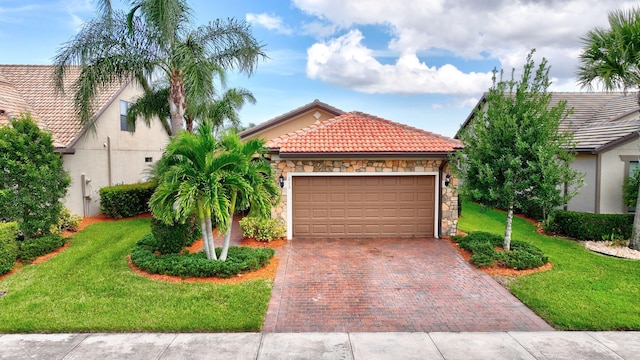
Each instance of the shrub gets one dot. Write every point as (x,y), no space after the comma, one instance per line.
(8,246)
(173,238)
(126,200)
(30,249)
(262,229)
(587,226)
(66,221)
(197,265)
(33,179)
(630,188)
(483,246)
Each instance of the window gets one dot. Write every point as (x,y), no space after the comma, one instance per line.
(124,109)
(148,159)
(631,163)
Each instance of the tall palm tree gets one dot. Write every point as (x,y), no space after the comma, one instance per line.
(258,174)
(196,175)
(219,110)
(154,38)
(611,58)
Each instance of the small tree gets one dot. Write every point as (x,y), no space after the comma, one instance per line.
(32,178)
(513,152)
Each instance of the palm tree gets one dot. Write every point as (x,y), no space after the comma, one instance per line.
(153,104)
(152,39)
(196,175)
(611,58)
(258,174)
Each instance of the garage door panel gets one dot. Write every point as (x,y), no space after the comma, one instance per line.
(363,206)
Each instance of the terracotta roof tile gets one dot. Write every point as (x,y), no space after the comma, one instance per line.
(30,88)
(357,132)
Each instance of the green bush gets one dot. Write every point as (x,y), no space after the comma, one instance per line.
(483,246)
(262,229)
(66,221)
(8,246)
(239,259)
(587,226)
(171,239)
(126,200)
(630,188)
(30,249)
(33,179)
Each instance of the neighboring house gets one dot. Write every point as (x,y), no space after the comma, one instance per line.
(357,175)
(605,128)
(296,119)
(102,154)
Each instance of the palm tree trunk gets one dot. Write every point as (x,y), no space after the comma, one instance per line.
(177,102)
(227,236)
(212,245)
(635,237)
(203,230)
(507,232)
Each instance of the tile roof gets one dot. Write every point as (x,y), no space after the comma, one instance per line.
(360,133)
(293,113)
(30,88)
(599,119)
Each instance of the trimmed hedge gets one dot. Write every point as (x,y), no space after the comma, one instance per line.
(126,200)
(171,239)
(32,248)
(587,226)
(483,246)
(8,246)
(239,259)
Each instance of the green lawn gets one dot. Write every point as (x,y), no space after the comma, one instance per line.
(90,288)
(584,291)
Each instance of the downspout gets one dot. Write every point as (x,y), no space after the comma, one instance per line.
(597,209)
(441,177)
(109,160)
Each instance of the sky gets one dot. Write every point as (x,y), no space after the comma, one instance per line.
(424,63)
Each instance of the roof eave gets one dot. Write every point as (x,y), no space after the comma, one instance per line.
(617,142)
(359,155)
(65,151)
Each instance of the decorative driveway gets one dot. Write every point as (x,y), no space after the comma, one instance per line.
(366,285)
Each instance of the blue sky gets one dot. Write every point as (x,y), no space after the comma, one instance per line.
(424,63)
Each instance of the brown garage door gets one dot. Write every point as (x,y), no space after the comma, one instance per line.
(363,206)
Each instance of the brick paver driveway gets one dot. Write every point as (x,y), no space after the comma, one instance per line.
(361,285)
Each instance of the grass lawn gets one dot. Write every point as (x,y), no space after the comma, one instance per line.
(90,288)
(584,291)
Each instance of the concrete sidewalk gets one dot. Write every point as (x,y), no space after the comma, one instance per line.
(396,346)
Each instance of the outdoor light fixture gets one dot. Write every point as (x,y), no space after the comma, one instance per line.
(281,181)
(447,180)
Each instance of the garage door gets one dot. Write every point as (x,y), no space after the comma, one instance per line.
(363,206)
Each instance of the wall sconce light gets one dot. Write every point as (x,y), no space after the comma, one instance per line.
(281,181)
(447,180)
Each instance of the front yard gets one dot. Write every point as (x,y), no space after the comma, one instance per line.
(583,291)
(90,288)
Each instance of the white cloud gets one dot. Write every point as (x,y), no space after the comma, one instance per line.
(345,62)
(270,22)
(12,14)
(504,30)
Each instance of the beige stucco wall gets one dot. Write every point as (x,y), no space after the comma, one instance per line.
(612,176)
(585,201)
(293,124)
(447,195)
(128,153)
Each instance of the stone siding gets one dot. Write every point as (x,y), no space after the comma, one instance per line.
(448,195)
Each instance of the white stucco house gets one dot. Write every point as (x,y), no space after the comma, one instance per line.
(105,153)
(605,128)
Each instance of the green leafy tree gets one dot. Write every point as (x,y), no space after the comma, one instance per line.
(32,177)
(611,59)
(154,38)
(513,152)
